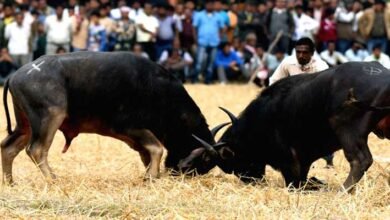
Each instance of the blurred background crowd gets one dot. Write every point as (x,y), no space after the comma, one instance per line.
(208,41)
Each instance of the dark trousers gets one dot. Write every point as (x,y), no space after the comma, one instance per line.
(149,48)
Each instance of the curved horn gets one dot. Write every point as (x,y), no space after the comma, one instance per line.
(206,145)
(231,116)
(220,144)
(215,130)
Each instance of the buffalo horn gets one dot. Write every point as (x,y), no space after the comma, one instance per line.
(215,130)
(206,145)
(231,116)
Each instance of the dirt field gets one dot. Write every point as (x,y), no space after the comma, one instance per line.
(102,178)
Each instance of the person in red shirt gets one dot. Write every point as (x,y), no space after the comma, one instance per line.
(327,30)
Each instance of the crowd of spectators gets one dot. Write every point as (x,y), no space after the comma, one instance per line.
(211,40)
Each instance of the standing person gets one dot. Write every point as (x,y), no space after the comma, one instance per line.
(167,29)
(79,24)
(302,62)
(187,34)
(208,27)
(327,30)
(345,19)
(146,31)
(374,25)
(59,31)
(220,11)
(18,35)
(109,24)
(125,31)
(97,40)
(305,26)
(280,20)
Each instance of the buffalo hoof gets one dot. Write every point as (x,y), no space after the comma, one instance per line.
(314,184)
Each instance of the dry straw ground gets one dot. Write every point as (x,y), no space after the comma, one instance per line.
(102,178)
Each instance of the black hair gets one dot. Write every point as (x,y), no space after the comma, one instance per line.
(377,46)
(95,13)
(306,41)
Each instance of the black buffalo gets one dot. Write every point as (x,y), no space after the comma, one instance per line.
(303,118)
(113,94)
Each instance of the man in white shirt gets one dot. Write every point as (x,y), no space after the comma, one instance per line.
(147,25)
(302,62)
(378,56)
(18,34)
(331,56)
(356,52)
(59,31)
(305,26)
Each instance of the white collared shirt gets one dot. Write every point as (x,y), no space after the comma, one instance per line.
(58,31)
(290,67)
(383,59)
(334,58)
(18,38)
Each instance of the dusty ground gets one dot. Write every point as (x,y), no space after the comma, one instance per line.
(102,178)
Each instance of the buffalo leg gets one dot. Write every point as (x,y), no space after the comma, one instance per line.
(10,148)
(359,157)
(42,137)
(150,150)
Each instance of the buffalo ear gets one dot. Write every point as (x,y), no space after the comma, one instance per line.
(226,153)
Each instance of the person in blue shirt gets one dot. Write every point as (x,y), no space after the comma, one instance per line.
(208,26)
(227,63)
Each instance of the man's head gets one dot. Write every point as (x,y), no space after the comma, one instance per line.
(8,10)
(179,9)
(379,5)
(162,10)
(279,54)
(376,51)
(59,11)
(262,8)
(281,4)
(218,5)
(299,9)
(148,8)
(304,49)
(137,49)
(19,18)
(250,6)
(94,17)
(125,12)
(260,50)
(251,39)
(209,5)
(331,46)
(226,47)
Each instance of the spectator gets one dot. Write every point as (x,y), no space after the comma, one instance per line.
(138,50)
(146,31)
(227,63)
(302,62)
(179,12)
(40,48)
(97,39)
(109,25)
(116,13)
(280,20)
(219,10)
(9,13)
(259,75)
(345,19)
(167,29)
(331,56)
(80,25)
(305,26)
(379,56)
(274,61)
(327,30)
(59,31)
(177,61)
(249,21)
(249,54)
(18,34)
(317,10)
(187,34)
(44,10)
(60,50)
(356,52)
(136,10)
(208,26)
(125,31)
(374,25)
(7,65)
(232,29)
